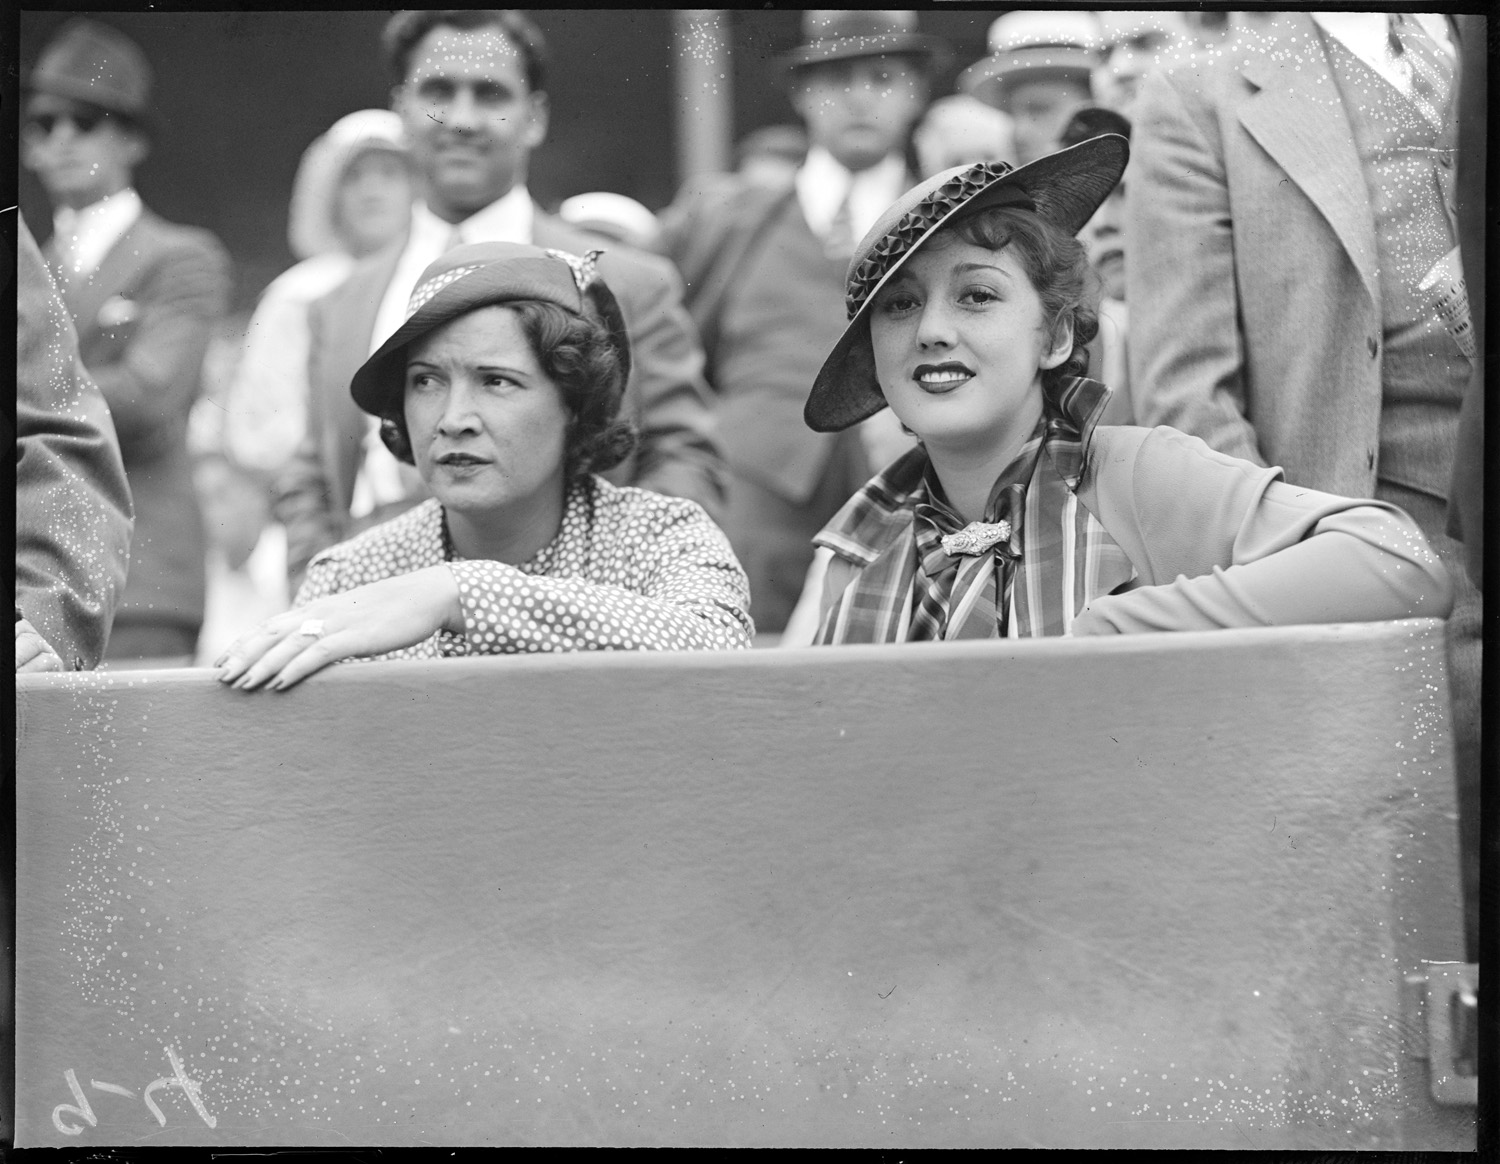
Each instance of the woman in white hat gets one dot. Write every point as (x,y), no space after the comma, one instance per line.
(503,387)
(352,195)
(970,312)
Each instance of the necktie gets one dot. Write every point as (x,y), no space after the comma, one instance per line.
(839,239)
(1430,69)
(964,568)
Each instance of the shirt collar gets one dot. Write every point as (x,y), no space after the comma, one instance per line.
(822,183)
(509,218)
(85,236)
(1365,34)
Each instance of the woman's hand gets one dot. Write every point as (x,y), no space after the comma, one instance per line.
(34,653)
(368,620)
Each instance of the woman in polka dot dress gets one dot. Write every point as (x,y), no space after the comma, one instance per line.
(503,387)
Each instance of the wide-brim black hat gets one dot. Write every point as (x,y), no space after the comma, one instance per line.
(487,275)
(849,34)
(1065,188)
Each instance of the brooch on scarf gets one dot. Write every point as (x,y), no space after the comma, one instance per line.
(976,537)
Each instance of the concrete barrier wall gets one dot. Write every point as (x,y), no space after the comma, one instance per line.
(1143,892)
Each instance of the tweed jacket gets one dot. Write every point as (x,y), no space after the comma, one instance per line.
(1255,314)
(73,512)
(678,453)
(144,319)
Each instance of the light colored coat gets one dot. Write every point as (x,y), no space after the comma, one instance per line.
(1255,315)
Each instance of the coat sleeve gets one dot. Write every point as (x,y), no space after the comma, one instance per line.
(679,454)
(154,378)
(303,500)
(1186,351)
(73,508)
(694,597)
(1219,542)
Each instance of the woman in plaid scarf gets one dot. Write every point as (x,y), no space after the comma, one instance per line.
(1015,515)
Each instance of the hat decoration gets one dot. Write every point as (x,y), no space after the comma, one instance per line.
(914,226)
(584,269)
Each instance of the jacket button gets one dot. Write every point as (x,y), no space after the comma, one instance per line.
(1374,347)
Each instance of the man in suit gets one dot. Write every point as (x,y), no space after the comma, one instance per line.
(73,513)
(1295,291)
(471,91)
(764,264)
(144,295)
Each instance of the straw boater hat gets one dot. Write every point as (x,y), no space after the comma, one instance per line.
(94,63)
(1034,46)
(486,275)
(1065,188)
(847,34)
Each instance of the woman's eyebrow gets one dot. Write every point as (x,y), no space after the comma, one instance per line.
(972,266)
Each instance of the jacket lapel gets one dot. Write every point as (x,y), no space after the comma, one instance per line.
(1298,118)
(347,317)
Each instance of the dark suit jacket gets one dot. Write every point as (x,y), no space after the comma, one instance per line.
(678,453)
(73,514)
(144,319)
(1255,318)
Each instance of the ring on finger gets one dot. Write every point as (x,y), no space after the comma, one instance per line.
(312,628)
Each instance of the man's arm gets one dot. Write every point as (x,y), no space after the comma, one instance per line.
(1186,354)
(679,454)
(73,509)
(153,379)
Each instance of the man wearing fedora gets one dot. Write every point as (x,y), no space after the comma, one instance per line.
(1038,70)
(144,295)
(764,266)
(470,86)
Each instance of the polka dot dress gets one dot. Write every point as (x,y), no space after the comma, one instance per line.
(629,570)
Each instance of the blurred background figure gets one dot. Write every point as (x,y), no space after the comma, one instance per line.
(352,196)
(144,295)
(764,266)
(613,216)
(73,513)
(1039,71)
(961,129)
(1134,43)
(1103,236)
(771,154)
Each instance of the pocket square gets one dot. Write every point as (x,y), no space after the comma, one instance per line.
(117,310)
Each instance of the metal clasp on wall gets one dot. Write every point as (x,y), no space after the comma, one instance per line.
(1442,1000)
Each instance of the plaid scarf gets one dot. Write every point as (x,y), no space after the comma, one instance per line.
(1055,561)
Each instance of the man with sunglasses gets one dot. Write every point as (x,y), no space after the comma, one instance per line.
(144,295)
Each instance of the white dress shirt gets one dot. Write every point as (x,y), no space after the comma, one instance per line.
(1367,36)
(84,237)
(381,477)
(822,184)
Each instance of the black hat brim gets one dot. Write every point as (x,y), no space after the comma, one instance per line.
(1065,188)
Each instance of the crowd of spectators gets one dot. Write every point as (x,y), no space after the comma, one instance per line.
(1280,272)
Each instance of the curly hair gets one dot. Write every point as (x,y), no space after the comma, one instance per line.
(404,31)
(577,354)
(1059,270)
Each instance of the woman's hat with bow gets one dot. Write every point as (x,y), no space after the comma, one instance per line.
(487,275)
